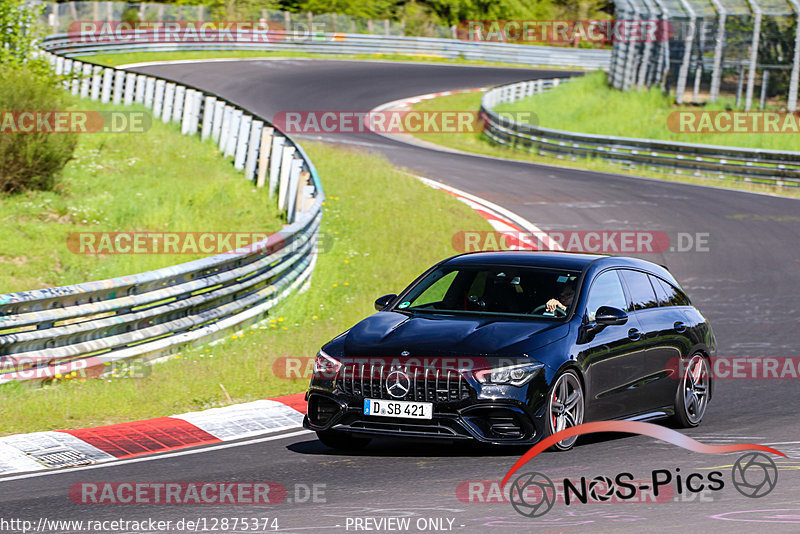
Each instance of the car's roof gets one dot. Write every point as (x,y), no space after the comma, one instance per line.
(557,260)
(527,258)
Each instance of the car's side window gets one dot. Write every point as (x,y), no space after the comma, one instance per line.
(642,294)
(478,286)
(668,295)
(661,291)
(606,290)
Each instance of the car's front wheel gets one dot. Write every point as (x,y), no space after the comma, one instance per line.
(565,407)
(691,399)
(342,441)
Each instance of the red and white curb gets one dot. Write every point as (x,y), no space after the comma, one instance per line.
(69,448)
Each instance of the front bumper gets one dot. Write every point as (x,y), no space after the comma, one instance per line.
(496,420)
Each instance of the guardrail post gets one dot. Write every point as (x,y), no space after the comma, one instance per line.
(264,156)
(275,163)
(286,171)
(67,72)
(158,100)
(216,128)
(177,106)
(197,104)
(253,144)
(233,133)
(86,80)
(97,80)
(149,91)
(140,85)
(308,192)
(76,80)
(119,85)
(188,111)
(108,80)
(241,142)
(208,117)
(169,99)
(291,193)
(226,127)
(302,185)
(130,88)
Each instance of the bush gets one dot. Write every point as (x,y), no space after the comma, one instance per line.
(31,160)
(130,15)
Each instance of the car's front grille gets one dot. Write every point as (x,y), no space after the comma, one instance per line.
(423,384)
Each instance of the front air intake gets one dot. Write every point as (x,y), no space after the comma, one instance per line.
(321,410)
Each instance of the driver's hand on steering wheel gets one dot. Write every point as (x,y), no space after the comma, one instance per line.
(552,304)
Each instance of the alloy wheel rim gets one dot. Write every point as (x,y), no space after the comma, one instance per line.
(695,388)
(566,407)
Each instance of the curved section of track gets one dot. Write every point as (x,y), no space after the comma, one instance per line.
(747,283)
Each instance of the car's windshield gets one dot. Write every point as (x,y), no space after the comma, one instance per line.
(492,289)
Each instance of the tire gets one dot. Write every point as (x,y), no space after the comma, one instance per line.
(566,405)
(694,392)
(342,441)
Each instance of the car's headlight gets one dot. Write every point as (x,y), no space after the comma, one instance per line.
(515,375)
(325,366)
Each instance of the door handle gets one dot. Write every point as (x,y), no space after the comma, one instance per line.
(634,334)
(679,327)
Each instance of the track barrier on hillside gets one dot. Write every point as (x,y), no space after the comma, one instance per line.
(772,167)
(85,329)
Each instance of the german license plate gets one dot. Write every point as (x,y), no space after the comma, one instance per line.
(398,408)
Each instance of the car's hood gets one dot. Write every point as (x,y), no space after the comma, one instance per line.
(388,334)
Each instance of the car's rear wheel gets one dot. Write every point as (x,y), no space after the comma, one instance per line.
(565,407)
(342,441)
(691,399)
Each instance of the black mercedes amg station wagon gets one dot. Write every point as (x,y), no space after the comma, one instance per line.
(509,347)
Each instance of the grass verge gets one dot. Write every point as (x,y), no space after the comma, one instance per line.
(155,181)
(113,60)
(477,143)
(386,228)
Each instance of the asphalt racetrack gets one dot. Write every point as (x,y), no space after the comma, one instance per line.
(745,279)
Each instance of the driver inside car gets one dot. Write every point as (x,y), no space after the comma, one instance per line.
(563,300)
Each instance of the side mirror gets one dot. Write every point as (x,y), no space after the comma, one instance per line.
(607,316)
(384,301)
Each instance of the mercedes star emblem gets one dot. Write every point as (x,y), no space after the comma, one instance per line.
(398,384)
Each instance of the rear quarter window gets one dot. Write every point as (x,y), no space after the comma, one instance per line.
(669,295)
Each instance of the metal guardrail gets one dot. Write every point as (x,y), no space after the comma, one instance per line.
(87,327)
(349,44)
(765,166)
